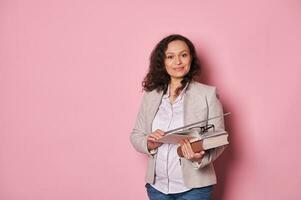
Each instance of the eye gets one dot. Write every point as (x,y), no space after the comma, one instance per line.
(169,57)
(184,55)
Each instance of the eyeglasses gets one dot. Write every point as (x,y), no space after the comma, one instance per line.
(203,129)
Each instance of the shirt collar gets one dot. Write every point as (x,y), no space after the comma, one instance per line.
(166,95)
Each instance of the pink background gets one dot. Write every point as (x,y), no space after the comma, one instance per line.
(70,86)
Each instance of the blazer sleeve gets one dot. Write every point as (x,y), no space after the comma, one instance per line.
(138,136)
(215,109)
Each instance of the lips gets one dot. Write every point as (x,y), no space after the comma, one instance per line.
(179,68)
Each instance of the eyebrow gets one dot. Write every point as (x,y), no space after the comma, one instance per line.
(173,53)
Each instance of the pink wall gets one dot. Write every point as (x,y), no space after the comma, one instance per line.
(70,74)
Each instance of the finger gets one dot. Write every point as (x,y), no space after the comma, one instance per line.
(153,135)
(184,152)
(183,141)
(151,139)
(197,155)
(200,155)
(158,135)
(189,148)
(188,154)
(189,151)
(154,139)
(160,132)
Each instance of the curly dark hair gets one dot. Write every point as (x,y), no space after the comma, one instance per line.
(157,77)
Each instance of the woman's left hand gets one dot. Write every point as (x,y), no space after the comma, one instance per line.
(188,153)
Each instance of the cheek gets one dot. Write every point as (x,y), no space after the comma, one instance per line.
(169,70)
(168,66)
(188,61)
(187,67)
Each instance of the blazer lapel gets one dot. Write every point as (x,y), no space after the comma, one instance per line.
(155,99)
(189,108)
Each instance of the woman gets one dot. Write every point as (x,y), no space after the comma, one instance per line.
(173,99)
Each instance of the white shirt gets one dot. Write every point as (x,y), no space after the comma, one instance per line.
(168,173)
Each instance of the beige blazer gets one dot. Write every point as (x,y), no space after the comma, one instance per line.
(200,103)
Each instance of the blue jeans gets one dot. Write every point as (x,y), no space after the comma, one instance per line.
(203,193)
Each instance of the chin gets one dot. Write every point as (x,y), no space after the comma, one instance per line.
(178,76)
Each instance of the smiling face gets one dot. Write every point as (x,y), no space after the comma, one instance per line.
(177,59)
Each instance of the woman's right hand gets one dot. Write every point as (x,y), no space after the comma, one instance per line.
(151,139)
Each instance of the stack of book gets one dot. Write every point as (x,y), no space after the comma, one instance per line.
(207,138)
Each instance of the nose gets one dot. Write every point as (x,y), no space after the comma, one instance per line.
(178,60)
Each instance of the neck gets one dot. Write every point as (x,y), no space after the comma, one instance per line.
(174,84)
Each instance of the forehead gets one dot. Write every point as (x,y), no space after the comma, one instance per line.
(177,46)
